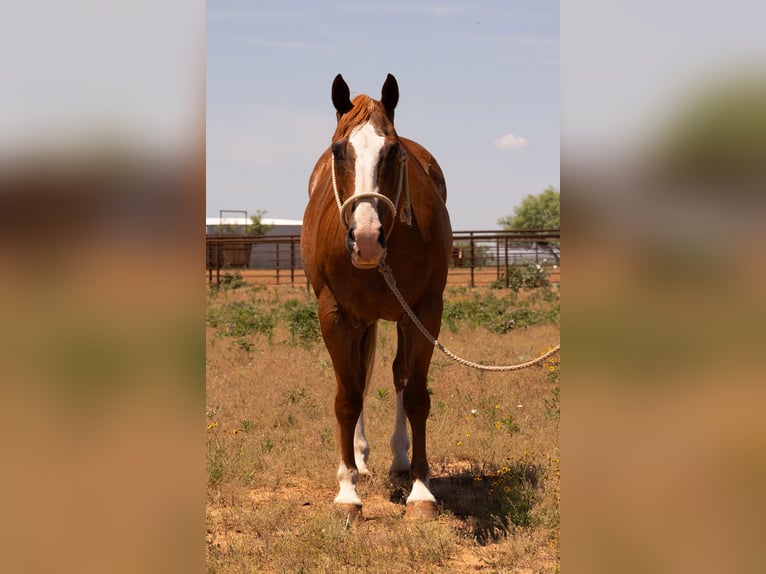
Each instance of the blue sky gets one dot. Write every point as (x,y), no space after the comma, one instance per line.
(478,82)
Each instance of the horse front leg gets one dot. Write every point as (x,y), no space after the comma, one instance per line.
(349,346)
(421,503)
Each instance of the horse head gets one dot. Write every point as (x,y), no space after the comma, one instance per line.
(367,169)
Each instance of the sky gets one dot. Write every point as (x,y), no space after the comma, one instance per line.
(478,84)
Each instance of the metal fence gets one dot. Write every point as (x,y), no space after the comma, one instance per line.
(478,257)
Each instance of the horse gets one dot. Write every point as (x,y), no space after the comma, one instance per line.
(377,199)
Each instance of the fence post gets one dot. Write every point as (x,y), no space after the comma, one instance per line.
(292,261)
(209,265)
(497,257)
(277,247)
(507,268)
(473,256)
(218,267)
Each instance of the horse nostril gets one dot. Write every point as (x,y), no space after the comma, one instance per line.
(382,237)
(350,240)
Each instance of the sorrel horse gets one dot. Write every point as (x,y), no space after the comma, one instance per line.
(375,197)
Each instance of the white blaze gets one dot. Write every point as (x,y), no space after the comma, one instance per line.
(367,145)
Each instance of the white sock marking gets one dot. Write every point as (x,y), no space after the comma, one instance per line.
(420,492)
(347,479)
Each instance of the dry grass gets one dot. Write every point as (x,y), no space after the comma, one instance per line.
(271,453)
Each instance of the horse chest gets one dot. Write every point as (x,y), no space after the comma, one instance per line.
(368,304)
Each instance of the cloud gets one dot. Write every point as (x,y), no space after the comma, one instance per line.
(510,141)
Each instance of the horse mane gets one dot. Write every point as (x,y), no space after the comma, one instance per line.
(361,112)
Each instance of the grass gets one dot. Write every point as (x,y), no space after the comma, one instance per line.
(271,451)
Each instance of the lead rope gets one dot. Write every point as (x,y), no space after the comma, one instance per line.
(385,270)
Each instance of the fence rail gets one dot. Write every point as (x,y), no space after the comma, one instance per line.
(478,257)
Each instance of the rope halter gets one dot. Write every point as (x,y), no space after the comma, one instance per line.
(402,185)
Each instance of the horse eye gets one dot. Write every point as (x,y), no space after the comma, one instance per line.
(392,152)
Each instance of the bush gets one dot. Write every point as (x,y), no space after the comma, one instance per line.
(239,319)
(302,320)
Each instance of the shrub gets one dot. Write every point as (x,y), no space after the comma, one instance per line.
(302,320)
(239,319)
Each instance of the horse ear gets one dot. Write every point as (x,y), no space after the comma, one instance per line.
(390,96)
(341,96)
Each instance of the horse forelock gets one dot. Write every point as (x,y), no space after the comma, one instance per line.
(363,110)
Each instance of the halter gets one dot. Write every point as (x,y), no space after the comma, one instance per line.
(405,216)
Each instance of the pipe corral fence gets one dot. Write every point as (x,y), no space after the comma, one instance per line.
(479,258)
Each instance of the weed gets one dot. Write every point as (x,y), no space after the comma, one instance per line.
(239,319)
(244,344)
(507,424)
(552,408)
(529,276)
(215,467)
(497,314)
(381,394)
(293,397)
(514,492)
(326,436)
(231,281)
(552,404)
(302,320)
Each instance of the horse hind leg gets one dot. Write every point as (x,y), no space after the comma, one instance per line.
(400,440)
(361,446)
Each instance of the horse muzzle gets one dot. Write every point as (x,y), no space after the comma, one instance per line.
(367,247)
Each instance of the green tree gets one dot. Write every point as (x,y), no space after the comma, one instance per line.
(541,211)
(257,227)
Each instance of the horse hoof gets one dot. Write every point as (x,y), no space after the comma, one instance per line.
(421,510)
(349,512)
